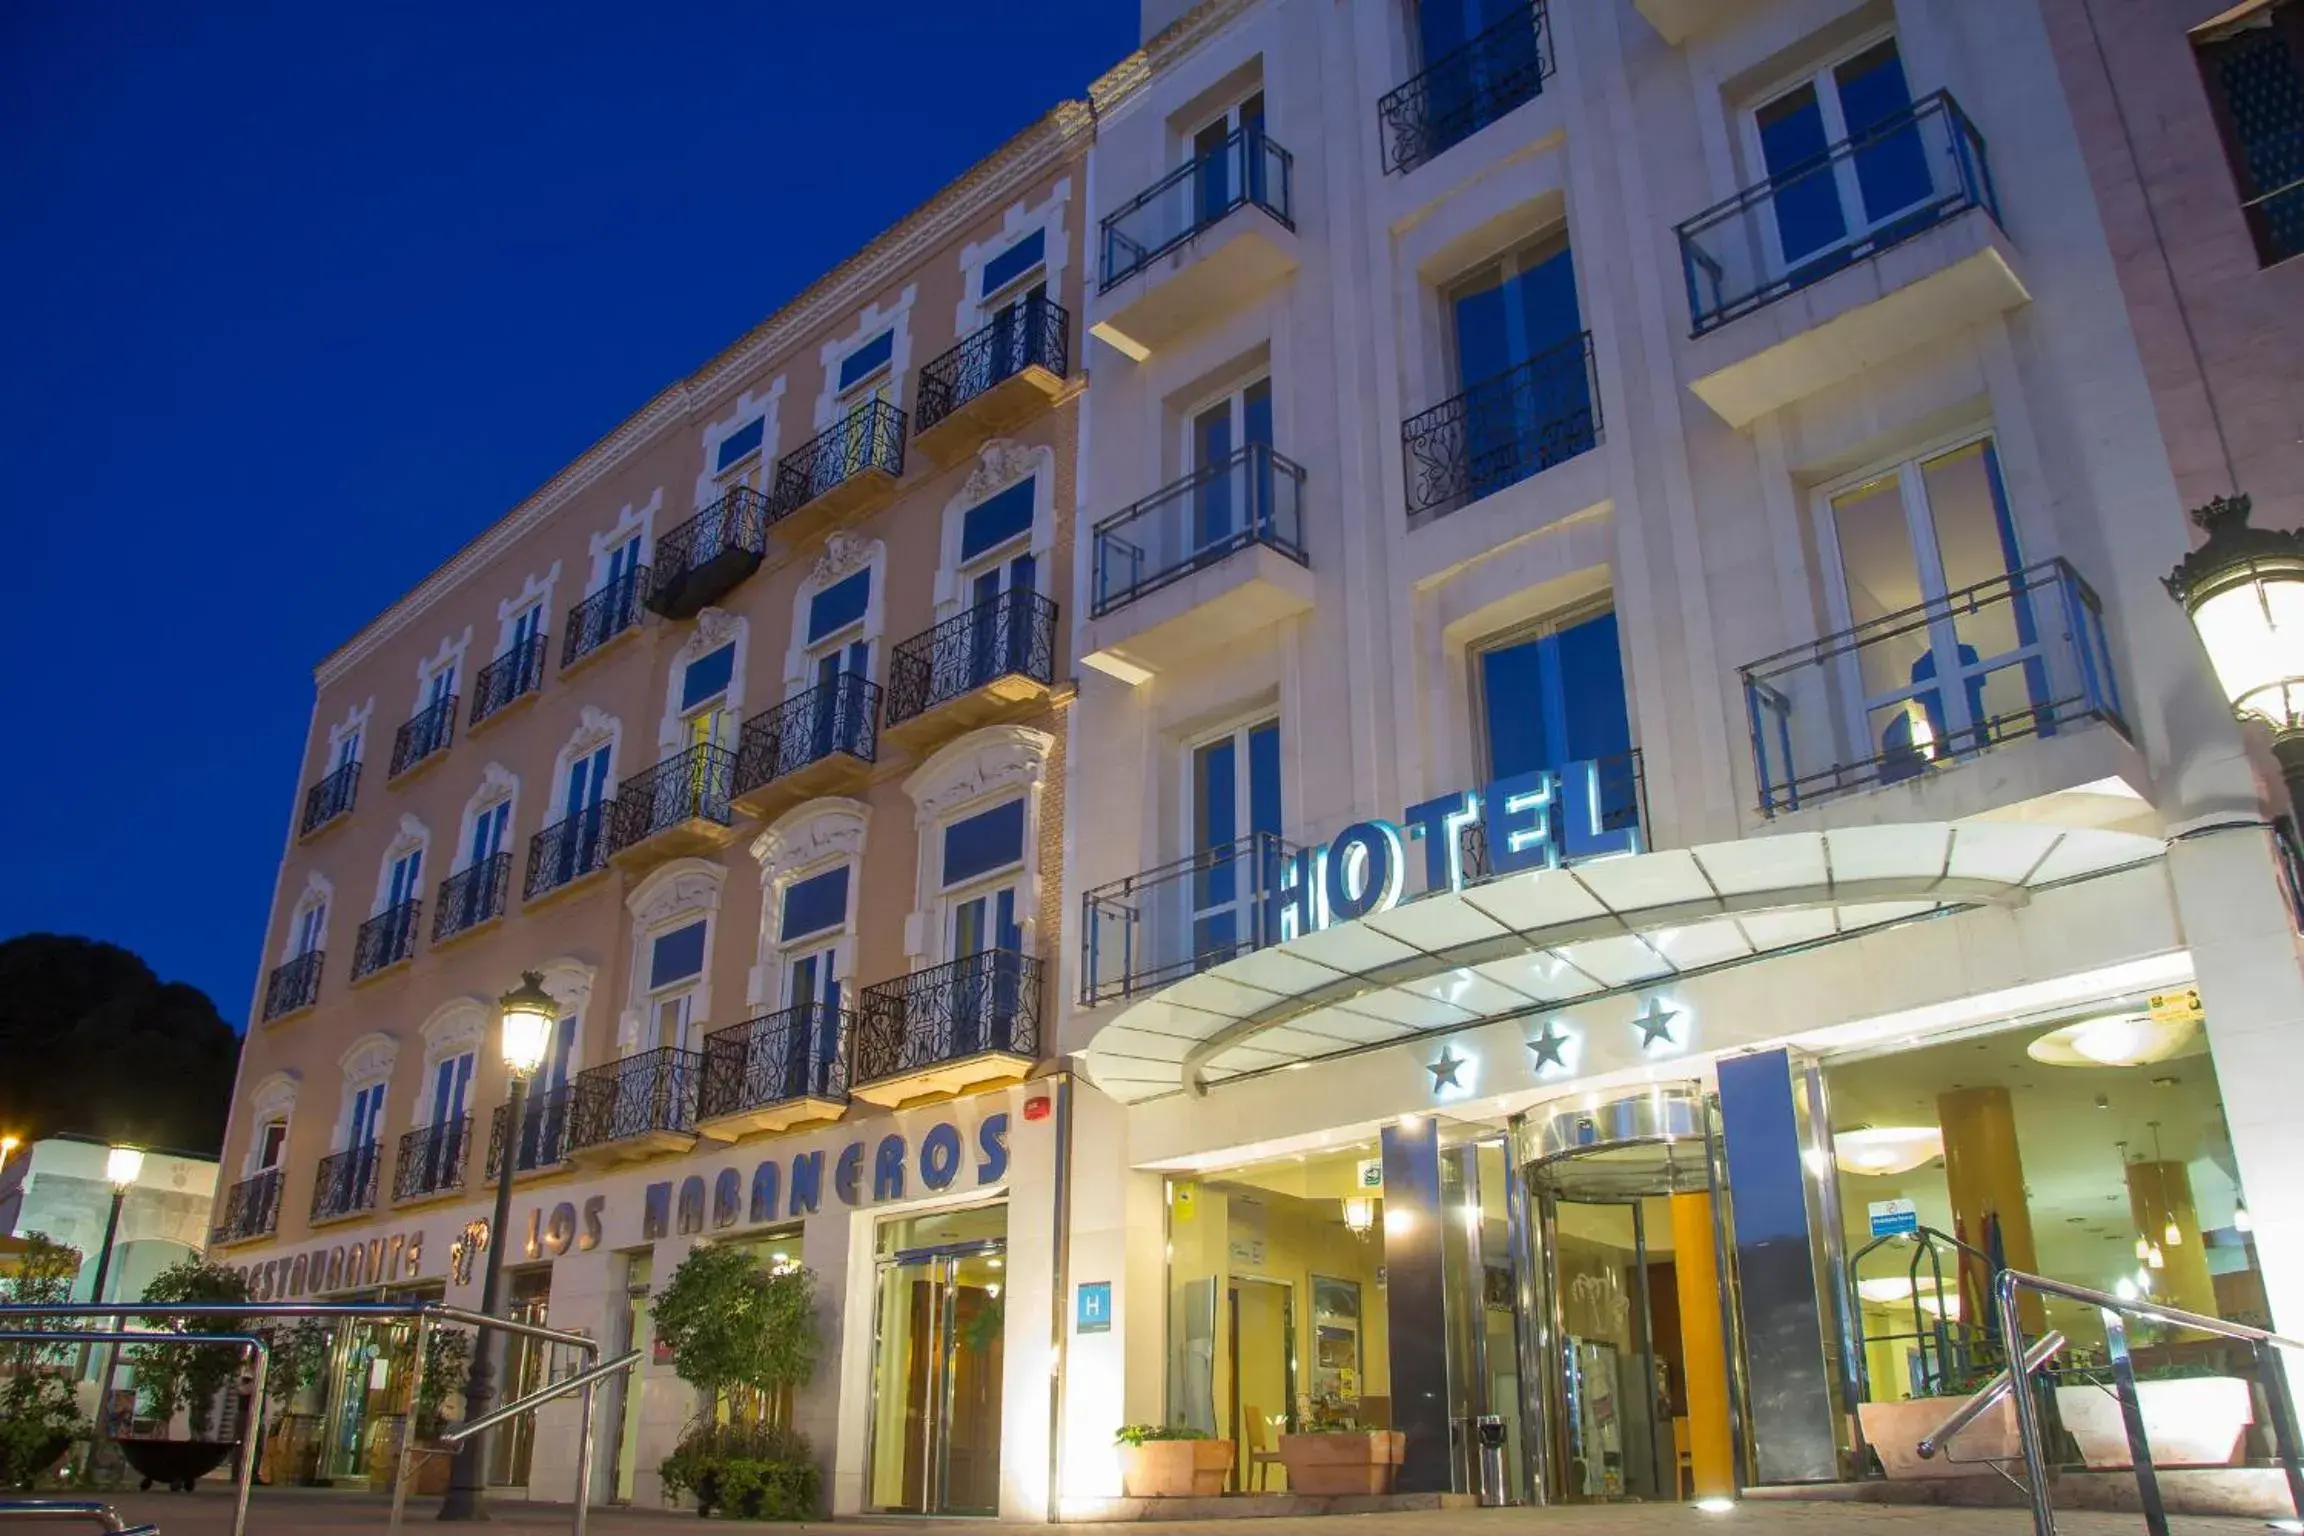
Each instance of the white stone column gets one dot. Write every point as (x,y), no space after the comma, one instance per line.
(1117,1235)
(1029,1362)
(579,1303)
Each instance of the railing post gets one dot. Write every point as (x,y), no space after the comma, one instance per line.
(2027,1407)
(2132,1419)
(2280,1405)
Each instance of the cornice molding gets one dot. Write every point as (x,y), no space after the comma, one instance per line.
(1115,86)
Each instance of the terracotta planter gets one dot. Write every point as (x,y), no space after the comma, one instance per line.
(2192,1422)
(1893,1430)
(1175,1469)
(1354,1461)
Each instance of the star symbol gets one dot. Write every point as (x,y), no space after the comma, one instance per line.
(1655,1024)
(1549,1046)
(1445,1069)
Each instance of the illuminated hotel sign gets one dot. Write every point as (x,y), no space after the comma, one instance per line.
(1532,821)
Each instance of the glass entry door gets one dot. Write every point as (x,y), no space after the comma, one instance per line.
(938,1345)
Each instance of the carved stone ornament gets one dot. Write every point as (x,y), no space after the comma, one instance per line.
(820,830)
(455,1028)
(274,1097)
(569,982)
(370,1057)
(978,764)
(844,553)
(413,834)
(595,728)
(1000,463)
(688,885)
(317,891)
(713,627)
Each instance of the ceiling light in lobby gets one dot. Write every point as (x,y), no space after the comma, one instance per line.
(2114,1040)
(1880,1150)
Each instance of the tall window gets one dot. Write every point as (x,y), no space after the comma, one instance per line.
(1824,210)
(815,919)
(581,800)
(740,460)
(347,750)
(451,1091)
(364,1120)
(2253,67)
(1013,283)
(1229,494)
(982,870)
(1235,811)
(1521,375)
(311,929)
(837,649)
(1552,698)
(271,1145)
(404,882)
(489,829)
(1229,152)
(675,972)
(999,572)
(704,685)
(1466,90)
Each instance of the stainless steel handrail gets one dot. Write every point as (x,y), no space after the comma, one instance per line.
(2051,1344)
(543,1395)
(2272,1377)
(95,1511)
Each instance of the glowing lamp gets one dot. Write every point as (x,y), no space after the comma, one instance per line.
(123,1166)
(1359,1215)
(2244,591)
(529,1014)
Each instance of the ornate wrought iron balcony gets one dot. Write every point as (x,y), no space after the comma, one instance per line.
(427,732)
(680,806)
(432,1159)
(1922,690)
(1246,169)
(1621,785)
(639,1105)
(471,897)
(330,798)
(346,1182)
(699,561)
(1146,930)
(386,939)
(977,665)
(1463,92)
(842,472)
(994,380)
(251,1207)
(613,610)
(567,851)
(293,986)
(1900,178)
(1256,496)
(543,1133)
(511,677)
(808,744)
(777,1071)
(1528,418)
(963,1024)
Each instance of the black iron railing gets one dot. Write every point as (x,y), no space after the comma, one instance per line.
(1254,496)
(386,939)
(688,786)
(293,985)
(508,679)
(711,552)
(868,437)
(1528,418)
(1620,796)
(1925,688)
(1013,634)
(653,1091)
(776,1058)
(432,1159)
(251,1207)
(841,716)
(1462,92)
(1146,930)
(330,798)
(427,731)
(1030,333)
(543,1133)
(1247,168)
(471,897)
(566,851)
(1899,178)
(346,1182)
(989,1001)
(603,616)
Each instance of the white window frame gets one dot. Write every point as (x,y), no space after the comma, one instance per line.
(757,469)
(353,725)
(1819,77)
(415,838)
(966,776)
(1000,464)
(834,403)
(714,628)
(456,1028)
(1554,622)
(272,1103)
(499,786)
(844,554)
(631,523)
(951,897)
(367,1064)
(673,895)
(449,658)
(318,896)
(1017,221)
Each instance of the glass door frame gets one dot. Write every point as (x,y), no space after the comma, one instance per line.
(941,1262)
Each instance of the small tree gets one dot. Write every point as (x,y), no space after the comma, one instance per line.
(738,1329)
(299,1348)
(447,1365)
(189,1376)
(39,1415)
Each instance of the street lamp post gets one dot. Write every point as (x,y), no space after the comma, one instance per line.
(529,1014)
(2244,592)
(122,1167)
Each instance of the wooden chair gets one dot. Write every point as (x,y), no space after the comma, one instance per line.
(1261,1457)
(1683,1457)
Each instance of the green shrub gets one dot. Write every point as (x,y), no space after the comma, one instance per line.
(190,1376)
(38,1420)
(1138,1434)
(744,1472)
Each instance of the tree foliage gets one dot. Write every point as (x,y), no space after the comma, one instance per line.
(37,1406)
(735,1324)
(189,1376)
(96,1043)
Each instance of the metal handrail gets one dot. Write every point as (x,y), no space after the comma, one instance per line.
(2272,1377)
(102,1515)
(2051,1345)
(540,1397)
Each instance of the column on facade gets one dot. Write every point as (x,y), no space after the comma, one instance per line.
(1703,1349)
(1984,1172)
(1112,1375)
(1029,1362)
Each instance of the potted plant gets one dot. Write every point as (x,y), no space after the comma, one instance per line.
(40,1414)
(2194,1416)
(745,1334)
(1895,1429)
(1332,1454)
(1171,1461)
(186,1378)
(299,1349)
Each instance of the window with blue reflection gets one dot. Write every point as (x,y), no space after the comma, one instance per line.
(676,956)
(839,605)
(707,676)
(867,359)
(815,904)
(989,840)
(994,521)
(1014,262)
(1558,698)
(744,440)
(1865,102)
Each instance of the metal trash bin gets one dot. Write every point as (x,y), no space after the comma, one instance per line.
(1489,1428)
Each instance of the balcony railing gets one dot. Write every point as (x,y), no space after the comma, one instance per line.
(427,731)
(251,1207)
(543,1133)
(293,985)
(346,1183)
(432,1159)
(508,679)
(701,559)
(1142,932)
(1255,496)
(1502,430)
(688,786)
(841,716)
(471,897)
(386,939)
(566,851)
(988,1001)
(603,616)
(869,437)
(653,1092)
(1247,168)
(1013,634)
(1032,333)
(1899,178)
(1463,92)
(1621,799)
(1917,691)
(774,1059)
(330,798)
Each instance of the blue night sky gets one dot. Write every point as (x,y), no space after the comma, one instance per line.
(302,297)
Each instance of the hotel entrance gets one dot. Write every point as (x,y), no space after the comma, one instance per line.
(938,1346)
